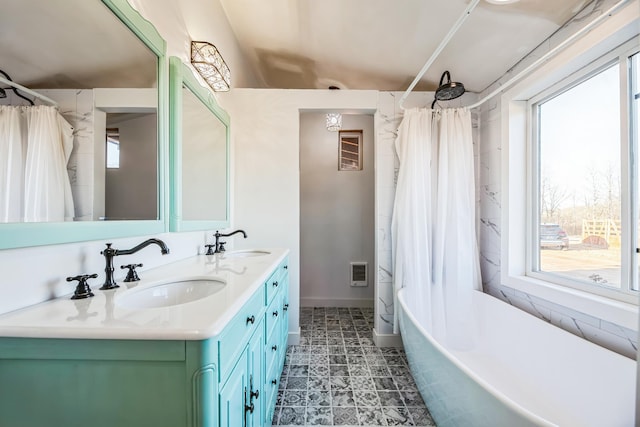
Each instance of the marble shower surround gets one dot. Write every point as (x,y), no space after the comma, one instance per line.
(599,331)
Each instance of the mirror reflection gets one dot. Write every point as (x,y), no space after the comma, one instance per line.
(204,161)
(86,150)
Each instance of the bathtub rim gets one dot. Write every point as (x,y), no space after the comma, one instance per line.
(519,409)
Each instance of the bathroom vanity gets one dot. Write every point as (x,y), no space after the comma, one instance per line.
(198,342)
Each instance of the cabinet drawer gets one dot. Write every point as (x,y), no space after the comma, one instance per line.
(272,382)
(273,349)
(273,314)
(275,282)
(238,331)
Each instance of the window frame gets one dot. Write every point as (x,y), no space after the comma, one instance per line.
(621,57)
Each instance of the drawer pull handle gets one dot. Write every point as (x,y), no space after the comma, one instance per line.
(274,348)
(254,394)
(275,284)
(249,408)
(286,267)
(285,307)
(275,313)
(251,320)
(274,382)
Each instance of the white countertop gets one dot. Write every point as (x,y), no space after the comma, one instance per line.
(103,317)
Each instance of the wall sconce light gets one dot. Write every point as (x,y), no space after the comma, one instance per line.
(334,122)
(207,60)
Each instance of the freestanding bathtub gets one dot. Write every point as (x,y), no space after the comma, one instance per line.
(522,372)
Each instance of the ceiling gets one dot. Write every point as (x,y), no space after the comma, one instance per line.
(59,44)
(382,44)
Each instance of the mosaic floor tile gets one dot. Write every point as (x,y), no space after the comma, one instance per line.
(398,416)
(421,417)
(340,383)
(319,398)
(384,383)
(338,370)
(319,416)
(337,376)
(390,398)
(366,398)
(345,416)
(412,398)
(371,416)
(292,416)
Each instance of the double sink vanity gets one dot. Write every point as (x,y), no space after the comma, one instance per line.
(197,342)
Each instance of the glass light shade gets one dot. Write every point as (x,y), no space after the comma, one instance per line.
(334,122)
(207,60)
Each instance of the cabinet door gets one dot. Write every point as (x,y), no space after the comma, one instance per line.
(234,395)
(255,356)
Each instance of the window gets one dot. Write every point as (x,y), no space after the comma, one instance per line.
(113,148)
(582,163)
(350,148)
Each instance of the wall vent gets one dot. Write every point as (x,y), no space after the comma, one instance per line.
(359,276)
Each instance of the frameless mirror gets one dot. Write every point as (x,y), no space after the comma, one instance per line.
(97,67)
(199,154)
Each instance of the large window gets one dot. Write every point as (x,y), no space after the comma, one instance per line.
(584,224)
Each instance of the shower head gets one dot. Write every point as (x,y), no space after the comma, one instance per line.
(448,90)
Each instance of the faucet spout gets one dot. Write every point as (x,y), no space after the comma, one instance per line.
(109,253)
(163,247)
(219,245)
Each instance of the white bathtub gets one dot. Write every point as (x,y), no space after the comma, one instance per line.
(522,372)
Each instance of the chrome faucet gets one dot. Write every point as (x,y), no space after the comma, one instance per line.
(109,253)
(219,245)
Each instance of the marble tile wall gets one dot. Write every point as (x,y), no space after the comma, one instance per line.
(614,337)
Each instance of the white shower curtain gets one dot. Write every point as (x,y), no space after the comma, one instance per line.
(35,145)
(435,251)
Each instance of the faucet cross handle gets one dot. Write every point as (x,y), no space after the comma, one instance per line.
(82,289)
(210,249)
(132,274)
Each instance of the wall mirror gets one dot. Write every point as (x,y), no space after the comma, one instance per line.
(102,68)
(199,140)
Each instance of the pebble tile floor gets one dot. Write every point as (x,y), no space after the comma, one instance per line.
(338,377)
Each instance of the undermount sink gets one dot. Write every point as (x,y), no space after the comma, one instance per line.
(245,254)
(172,293)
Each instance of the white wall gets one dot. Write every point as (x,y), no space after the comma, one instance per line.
(266,138)
(337,214)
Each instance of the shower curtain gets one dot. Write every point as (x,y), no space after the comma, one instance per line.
(35,145)
(435,253)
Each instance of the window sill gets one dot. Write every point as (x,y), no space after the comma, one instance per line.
(617,312)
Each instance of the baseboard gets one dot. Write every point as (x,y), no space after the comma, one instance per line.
(387,340)
(294,338)
(333,302)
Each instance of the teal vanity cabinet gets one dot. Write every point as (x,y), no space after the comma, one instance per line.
(228,380)
(68,382)
(277,327)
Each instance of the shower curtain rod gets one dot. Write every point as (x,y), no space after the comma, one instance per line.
(605,15)
(544,58)
(439,49)
(28,91)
